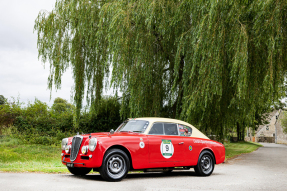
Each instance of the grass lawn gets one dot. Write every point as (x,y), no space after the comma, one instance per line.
(235,149)
(16,157)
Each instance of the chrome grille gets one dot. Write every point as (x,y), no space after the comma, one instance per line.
(76,144)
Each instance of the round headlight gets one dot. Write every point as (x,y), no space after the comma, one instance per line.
(64,143)
(84,150)
(92,144)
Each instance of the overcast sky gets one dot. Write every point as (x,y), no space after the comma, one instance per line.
(21,73)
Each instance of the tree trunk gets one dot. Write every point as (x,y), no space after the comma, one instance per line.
(238,131)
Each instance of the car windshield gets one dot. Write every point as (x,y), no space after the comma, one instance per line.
(138,126)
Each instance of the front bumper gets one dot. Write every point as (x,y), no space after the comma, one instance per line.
(89,160)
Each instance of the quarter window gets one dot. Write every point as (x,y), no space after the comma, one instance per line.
(184,130)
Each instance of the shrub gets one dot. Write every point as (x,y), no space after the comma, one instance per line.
(38,124)
(103,118)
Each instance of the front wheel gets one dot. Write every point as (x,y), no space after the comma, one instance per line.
(205,164)
(115,165)
(79,170)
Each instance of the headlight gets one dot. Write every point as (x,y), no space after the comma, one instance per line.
(92,144)
(64,143)
(84,150)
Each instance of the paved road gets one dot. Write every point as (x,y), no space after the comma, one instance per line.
(264,169)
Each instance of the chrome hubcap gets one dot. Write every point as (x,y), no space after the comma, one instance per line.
(116,166)
(206,164)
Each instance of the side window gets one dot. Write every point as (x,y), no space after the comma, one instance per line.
(170,129)
(184,130)
(157,129)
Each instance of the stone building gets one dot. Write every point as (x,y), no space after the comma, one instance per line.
(273,132)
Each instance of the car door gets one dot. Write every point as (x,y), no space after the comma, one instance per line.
(165,144)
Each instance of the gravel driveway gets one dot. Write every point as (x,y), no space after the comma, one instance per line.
(264,169)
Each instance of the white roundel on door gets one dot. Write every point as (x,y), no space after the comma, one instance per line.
(166,148)
(142,145)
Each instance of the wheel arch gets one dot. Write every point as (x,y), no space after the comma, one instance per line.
(211,151)
(123,149)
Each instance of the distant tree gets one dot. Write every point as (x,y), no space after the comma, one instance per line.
(61,106)
(2,100)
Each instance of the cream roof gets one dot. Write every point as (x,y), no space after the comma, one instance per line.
(195,131)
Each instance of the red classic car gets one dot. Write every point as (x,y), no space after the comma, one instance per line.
(148,144)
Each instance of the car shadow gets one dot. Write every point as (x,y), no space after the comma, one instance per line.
(146,175)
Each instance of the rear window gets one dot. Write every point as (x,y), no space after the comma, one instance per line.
(184,130)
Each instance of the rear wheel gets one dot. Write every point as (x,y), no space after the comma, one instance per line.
(79,170)
(115,165)
(205,164)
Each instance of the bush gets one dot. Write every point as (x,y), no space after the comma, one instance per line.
(38,124)
(103,118)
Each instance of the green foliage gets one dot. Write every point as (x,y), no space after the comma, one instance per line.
(9,112)
(211,63)
(61,106)
(2,100)
(103,117)
(36,123)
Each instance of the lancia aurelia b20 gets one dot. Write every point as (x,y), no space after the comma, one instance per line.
(142,144)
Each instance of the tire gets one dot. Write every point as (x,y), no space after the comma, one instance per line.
(115,165)
(79,171)
(205,164)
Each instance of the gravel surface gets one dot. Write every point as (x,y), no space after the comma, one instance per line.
(264,169)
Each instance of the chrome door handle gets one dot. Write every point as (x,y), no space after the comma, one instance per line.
(180,143)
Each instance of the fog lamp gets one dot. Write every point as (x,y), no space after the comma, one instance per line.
(84,150)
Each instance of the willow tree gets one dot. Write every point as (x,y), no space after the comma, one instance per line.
(212,63)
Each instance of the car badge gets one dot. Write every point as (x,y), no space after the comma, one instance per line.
(190,148)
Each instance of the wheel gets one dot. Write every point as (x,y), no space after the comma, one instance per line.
(205,164)
(79,170)
(115,165)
